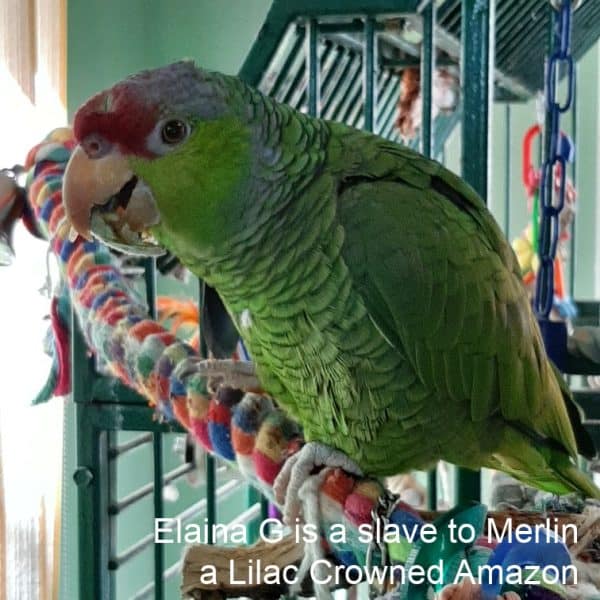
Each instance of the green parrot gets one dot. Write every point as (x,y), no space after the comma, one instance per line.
(380,302)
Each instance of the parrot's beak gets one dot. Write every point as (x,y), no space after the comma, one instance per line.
(91,182)
(102,197)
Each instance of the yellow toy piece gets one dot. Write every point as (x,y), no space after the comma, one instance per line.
(528,259)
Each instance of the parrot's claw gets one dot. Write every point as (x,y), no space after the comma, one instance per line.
(297,470)
(297,489)
(236,374)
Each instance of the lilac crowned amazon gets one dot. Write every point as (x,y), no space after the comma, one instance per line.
(380,302)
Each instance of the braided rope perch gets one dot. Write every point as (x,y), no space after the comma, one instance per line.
(145,356)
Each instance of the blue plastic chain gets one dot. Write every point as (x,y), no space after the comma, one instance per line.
(556,154)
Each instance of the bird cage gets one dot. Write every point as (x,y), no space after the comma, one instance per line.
(342,60)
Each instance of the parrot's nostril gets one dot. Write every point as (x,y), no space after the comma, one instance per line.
(96,146)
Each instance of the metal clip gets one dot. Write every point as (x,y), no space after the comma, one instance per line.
(380,517)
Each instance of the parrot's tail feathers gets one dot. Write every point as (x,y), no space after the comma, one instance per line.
(573,476)
(545,467)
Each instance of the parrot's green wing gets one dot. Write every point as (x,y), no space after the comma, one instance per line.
(443,286)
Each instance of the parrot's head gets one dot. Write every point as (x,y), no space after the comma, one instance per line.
(161,156)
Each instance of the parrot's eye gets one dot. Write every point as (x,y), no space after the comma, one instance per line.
(174,131)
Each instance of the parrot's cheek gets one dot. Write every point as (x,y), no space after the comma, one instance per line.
(125,220)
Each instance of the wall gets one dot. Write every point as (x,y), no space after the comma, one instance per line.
(110,39)
(587,284)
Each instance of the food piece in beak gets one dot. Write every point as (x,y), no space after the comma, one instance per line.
(123,222)
(91,182)
(122,238)
(141,212)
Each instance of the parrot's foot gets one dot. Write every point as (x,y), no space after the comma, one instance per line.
(236,374)
(297,470)
(297,489)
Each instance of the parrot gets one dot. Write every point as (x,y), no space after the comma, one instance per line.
(378,298)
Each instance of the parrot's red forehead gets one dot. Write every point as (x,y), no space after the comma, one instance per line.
(128,112)
(121,115)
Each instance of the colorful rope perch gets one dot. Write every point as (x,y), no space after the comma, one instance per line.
(250,431)
(144,355)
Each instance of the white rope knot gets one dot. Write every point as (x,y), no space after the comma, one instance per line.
(558,4)
(588,532)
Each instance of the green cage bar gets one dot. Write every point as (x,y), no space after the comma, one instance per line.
(92,479)
(312,60)
(157,494)
(507,169)
(477,60)
(428,65)
(369,69)
(211,478)
(572,241)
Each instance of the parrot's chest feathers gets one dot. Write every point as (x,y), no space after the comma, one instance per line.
(315,347)
(289,290)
